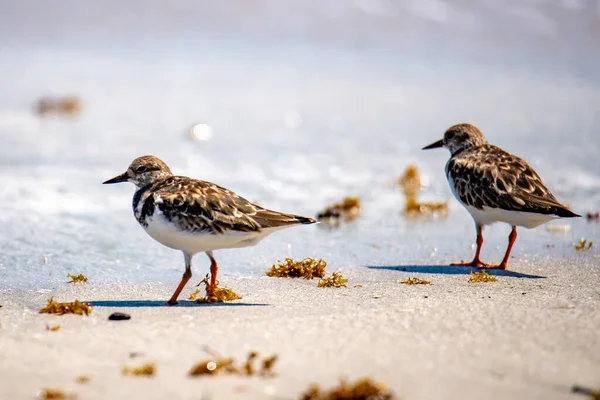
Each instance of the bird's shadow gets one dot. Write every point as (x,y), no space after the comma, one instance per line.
(163,303)
(451,270)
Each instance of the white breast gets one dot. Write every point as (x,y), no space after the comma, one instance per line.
(166,233)
(517,218)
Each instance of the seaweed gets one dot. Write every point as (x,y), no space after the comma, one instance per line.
(416,281)
(76,307)
(363,389)
(308,268)
(55,394)
(267,366)
(593,217)
(148,369)
(214,294)
(69,105)
(214,367)
(590,393)
(82,379)
(249,365)
(227,366)
(77,278)
(52,328)
(583,245)
(335,280)
(482,276)
(411,184)
(348,210)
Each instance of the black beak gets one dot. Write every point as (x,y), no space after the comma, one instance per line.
(118,179)
(434,145)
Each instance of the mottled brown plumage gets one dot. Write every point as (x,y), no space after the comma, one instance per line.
(496,186)
(197,216)
(492,177)
(196,206)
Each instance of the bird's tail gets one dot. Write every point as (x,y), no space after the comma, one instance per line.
(305,220)
(564,212)
(273,219)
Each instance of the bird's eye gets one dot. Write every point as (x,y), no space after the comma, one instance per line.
(141,168)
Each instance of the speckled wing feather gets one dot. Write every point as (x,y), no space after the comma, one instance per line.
(491,177)
(195,206)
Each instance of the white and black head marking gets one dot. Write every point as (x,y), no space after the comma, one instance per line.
(460,137)
(143,171)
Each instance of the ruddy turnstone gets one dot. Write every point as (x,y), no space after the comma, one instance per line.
(495,186)
(196,216)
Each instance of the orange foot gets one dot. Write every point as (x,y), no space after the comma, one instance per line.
(172,302)
(474,263)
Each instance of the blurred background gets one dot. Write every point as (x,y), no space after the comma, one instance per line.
(293,104)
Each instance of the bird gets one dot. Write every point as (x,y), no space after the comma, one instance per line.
(196,216)
(495,186)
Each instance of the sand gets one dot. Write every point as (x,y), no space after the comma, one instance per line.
(530,335)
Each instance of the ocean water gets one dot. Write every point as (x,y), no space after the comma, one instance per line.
(307,102)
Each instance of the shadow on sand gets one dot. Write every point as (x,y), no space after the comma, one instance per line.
(451,270)
(163,303)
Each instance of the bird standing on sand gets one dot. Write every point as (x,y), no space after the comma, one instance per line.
(495,186)
(196,216)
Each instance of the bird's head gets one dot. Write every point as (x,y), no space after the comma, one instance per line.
(143,171)
(460,137)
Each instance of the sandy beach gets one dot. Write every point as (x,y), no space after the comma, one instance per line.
(529,335)
(296,105)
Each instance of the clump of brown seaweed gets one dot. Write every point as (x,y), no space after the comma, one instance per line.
(336,280)
(54,328)
(583,245)
(227,366)
(76,307)
(593,217)
(308,268)
(411,184)
(69,105)
(363,389)
(482,276)
(416,281)
(214,294)
(55,394)
(348,210)
(81,278)
(148,369)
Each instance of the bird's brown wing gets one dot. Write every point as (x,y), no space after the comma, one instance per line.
(491,177)
(195,205)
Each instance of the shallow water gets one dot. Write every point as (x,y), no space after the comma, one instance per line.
(307,104)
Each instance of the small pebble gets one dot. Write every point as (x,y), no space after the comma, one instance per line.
(119,316)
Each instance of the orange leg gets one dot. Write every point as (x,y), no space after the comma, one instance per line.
(184,280)
(476,261)
(511,241)
(214,268)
